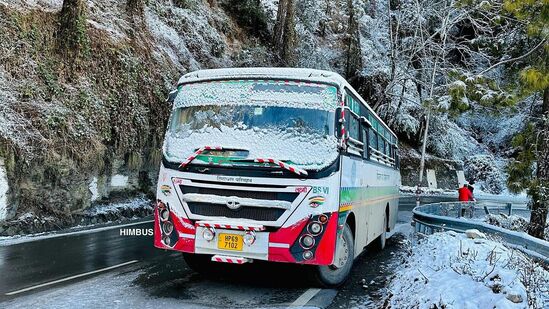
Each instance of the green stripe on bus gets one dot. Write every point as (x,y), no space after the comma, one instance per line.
(355,195)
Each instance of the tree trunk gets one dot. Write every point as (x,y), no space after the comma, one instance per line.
(284,35)
(73,38)
(290,36)
(278,31)
(354,56)
(540,193)
(136,8)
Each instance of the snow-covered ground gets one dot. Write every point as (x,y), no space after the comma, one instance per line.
(136,203)
(450,270)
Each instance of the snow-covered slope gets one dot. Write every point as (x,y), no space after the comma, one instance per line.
(449,270)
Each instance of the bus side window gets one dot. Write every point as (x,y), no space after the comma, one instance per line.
(366,141)
(380,144)
(373,138)
(354,127)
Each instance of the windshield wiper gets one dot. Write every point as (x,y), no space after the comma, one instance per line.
(290,167)
(209,148)
(197,153)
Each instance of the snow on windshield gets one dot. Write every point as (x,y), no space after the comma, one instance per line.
(265,93)
(276,120)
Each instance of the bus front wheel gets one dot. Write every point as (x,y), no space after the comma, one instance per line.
(335,275)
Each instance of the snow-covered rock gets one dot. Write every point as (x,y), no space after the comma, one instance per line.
(474,233)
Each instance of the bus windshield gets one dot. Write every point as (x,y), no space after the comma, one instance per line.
(261,119)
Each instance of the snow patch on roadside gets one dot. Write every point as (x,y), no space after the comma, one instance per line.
(137,203)
(449,270)
(94,189)
(513,222)
(119,181)
(3,191)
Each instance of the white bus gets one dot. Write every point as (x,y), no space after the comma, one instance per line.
(275,164)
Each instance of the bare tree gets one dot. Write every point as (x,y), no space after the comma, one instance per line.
(428,50)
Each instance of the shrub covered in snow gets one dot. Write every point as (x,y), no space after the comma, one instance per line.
(482,170)
(513,223)
(449,270)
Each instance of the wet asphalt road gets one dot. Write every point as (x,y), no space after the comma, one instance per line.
(163,275)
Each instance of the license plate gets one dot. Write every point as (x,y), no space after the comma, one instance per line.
(230,242)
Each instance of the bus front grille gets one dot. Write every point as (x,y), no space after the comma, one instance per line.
(245,212)
(260,195)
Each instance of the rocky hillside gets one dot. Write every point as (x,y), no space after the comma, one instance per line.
(82,114)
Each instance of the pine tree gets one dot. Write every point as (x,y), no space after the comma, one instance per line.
(534,141)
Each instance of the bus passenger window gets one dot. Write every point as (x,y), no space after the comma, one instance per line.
(366,141)
(373,138)
(354,128)
(381,144)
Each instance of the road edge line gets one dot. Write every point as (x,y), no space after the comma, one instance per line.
(304,298)
(69,278)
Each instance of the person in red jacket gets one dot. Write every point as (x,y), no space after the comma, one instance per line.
(465,195)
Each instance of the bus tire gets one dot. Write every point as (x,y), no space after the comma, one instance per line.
(379,243)
(200,263)
(332,275)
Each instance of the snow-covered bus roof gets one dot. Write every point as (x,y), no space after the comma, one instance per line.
(302,74)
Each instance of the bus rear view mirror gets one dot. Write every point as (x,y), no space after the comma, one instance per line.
(171,97)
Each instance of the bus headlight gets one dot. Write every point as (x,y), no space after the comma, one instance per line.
(307,241)
(166,240)
(208,234)
(167,227)
(307,255)
(314,228)
(164,214)
(249,238)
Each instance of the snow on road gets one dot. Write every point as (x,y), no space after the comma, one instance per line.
(449,270)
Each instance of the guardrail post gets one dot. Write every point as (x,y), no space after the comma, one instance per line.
(510,208)
(473,206)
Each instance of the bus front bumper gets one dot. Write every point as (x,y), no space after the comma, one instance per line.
(280,245)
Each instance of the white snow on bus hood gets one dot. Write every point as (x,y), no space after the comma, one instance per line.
(308,151)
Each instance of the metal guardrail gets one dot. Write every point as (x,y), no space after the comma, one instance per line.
(456,216)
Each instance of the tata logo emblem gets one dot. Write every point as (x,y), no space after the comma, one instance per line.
(232,204)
